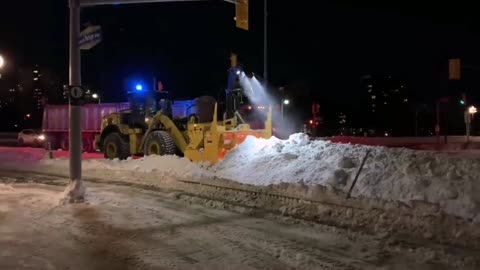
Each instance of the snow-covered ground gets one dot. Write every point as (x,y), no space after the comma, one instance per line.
(451,181)
(127,228)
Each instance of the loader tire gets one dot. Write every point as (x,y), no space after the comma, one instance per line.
(159,143)
(115,146)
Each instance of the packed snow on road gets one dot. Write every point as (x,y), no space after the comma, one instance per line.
(121,227)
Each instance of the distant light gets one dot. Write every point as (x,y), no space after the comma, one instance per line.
(35,71)
(249,108)
(139,87)
(28,115)
(311,122)
(286,102)
(35,79)
(238,72)
(41,137)
(472,109)
(2,61)
(462,102)
(386,134)
(95,96)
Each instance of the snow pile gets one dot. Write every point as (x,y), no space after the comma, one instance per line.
(389,174)
(161,166)
(10,155)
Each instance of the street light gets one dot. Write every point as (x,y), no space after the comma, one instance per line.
(2,62)
(468,120)
(472,110)
(96,96)
(284,102)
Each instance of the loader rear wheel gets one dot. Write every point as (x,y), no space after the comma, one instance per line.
(114,146)
(159,143)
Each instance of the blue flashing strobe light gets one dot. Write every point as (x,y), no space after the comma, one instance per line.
(139,87)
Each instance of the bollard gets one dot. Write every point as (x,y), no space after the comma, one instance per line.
(50,153)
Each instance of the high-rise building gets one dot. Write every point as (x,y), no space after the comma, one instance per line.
(38,95)
(385,99)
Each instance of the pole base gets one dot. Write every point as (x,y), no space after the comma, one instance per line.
(74,192)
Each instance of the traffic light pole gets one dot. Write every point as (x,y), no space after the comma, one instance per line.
(265,47)
(76,190)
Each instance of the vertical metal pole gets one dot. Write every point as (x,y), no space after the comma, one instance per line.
(467,124)
(77,191)
(416,122)
(281,108)
(265,47)
(437,125)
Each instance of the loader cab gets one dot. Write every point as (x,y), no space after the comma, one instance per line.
(148,103)
(145,104)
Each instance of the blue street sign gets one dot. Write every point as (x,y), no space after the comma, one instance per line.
(90,37)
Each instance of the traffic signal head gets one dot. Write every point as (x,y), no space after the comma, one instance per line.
(463,99)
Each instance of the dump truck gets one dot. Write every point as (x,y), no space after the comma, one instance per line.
(155,125)
(55,123)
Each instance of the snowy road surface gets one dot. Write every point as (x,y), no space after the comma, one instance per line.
(122,227)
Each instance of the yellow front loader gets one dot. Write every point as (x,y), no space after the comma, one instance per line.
(200,142)
(152,126)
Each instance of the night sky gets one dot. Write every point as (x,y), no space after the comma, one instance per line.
(323,48)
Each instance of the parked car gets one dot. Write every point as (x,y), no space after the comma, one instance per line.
(31,137)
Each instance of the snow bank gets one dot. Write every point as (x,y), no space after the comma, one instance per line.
(11,154)
(404,175)
(389,174)
(161,166)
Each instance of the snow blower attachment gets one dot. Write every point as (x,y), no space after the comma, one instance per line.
(156,125)
(211,142)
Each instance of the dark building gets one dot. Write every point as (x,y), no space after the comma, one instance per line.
(387,105)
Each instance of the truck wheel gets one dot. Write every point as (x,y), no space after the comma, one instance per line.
(54,142)
(87,145)
(159,143)
(114,146)
(64,143)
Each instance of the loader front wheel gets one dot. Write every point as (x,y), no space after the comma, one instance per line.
(159,143)
(114,146)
